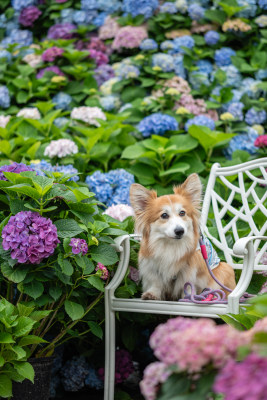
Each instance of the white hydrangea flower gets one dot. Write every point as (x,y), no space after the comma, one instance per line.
(34,60)
(4,120)
(88,115)
(60,148)
(29,112)
(119,211)
(106,88)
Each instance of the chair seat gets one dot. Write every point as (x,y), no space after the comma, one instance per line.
(168,307)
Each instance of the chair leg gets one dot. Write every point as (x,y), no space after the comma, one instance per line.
(109,353)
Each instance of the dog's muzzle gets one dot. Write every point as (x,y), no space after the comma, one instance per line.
(179,232)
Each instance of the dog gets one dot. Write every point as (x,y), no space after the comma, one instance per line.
(168,256)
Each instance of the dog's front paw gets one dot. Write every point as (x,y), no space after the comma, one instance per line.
(149,296)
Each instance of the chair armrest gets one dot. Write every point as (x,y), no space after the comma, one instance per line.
(122,245)
(240,247)
(243,247)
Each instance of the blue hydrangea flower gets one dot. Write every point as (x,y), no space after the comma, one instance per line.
(157,124)
(100,19)
(3,21)
(125,107)
(4,97)
(183,41)
(110,102)
(197,79)
(254,117)
(5,54)
(67,15)
(19,37)
(109,6)
(61,121)
(261,74)
(168,8)
(43,166)
(18,5)
(164,61)
(140,7)
(201,120)
(196,12)
(81,17)
(244,141)
(249,86)
(89,5)
(92,380)
(74,373)
(125,71)
(233,76)
(112,187)
(167,45)
(204,66)
(179,69)
(11,25)
(223,56)
(236,109)
(263,4)
(148,44)
(249,10)
(211,38)
(62,100)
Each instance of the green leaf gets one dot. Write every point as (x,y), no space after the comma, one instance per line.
(180,167)
(5,147)
(104,254)
(23,310)
(132,93)
(17,205)
(67,228)
(20,352)
(95,329)
(55,292)
(25,369)
(74,310)
(134,151)
(6,338)
(85,263)
(183,143)
(207,138)
(42,184)
(23,327)
(38,315)
(96,282)
(5,386)
(34,289)
(31,339)
(15,275)
(25,189)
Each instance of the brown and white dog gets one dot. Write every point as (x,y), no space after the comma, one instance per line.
(168,256)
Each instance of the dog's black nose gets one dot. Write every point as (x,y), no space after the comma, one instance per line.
(179,232)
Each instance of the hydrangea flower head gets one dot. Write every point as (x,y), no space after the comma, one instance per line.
(236,110)
(249,10)
(154,375)
(103,73)
(53,69)
(52,53)
(140,7)
(168,8)
(29,112)
(104,271)
(18,5)
(183,41)
(200,120)
(109,29)
(33,60)
(112,187)
(99,57)
(148,44)
(157,124)
(197,79)
(204,66)
(4,97)
(20,37)
(261,141)
(88,115)
(62,100)
(119,211)
(16,168)
(4,120)
(110,102)
(233,76)
(244,141)
(61,148)
(129,37)
(211,38)
(123,366)
(61,31)
(29,15)
(78,246)
(196,12)
(74,373)
(163,61)
(41,166)
(223,56)
(254,117)
(30,237)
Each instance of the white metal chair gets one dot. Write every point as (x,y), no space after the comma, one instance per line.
(250,175)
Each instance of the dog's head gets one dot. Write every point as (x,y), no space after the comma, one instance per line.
(171,217)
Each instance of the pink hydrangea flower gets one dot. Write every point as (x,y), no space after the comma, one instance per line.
(261,141)
(103,270)
(51,53)
(154,375)
(99,57)
(109,29)
(129,37)
(119,211)
(194,106)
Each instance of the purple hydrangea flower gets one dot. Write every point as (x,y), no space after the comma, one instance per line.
(53,68)
(201,120)
(123,366)
(50,54)
(103,73)
(29,15)
(211,37)
(14,167)
(78,246)
(61,31)
(30,237)
(254,117)
(104,271)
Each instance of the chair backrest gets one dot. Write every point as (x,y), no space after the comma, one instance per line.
(236,198)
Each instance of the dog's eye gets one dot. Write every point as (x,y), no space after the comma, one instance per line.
(164,216)
(182,213)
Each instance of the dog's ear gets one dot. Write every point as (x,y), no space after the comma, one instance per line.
(139,197)
(193,187)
